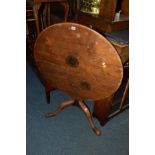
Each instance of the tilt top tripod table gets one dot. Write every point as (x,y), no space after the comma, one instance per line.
(80,62)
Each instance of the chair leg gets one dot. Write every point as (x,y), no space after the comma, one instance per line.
(49,14)
(40,16)
(60,108)
(87,113)
(66,10)
(124,95)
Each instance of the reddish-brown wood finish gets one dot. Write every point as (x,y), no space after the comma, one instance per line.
(102,109)
(78,61)
(107,9)
(101,23)
(125,7)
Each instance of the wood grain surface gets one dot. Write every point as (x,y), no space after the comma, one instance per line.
(78,60)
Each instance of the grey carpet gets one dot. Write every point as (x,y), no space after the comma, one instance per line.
(69,132)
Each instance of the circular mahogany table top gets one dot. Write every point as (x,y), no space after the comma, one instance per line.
(78,60)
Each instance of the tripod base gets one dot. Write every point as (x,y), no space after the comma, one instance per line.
(84,108)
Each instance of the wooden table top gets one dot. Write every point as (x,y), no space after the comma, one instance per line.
(78,60)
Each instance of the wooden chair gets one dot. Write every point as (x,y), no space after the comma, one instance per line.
(46,8)
(79,61)
(32,28)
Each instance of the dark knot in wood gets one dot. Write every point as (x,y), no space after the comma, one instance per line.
(85,85)
(72,61)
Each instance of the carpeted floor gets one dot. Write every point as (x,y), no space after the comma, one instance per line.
(69,132)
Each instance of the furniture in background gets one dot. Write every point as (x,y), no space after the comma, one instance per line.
(38,17)
(109,8)
(112,15)
(63,65)
(45,14)
(32,28)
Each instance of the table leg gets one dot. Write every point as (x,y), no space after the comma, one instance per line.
(60,108)
(87,113)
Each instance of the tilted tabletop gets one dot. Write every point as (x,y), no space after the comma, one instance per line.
(78,60)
